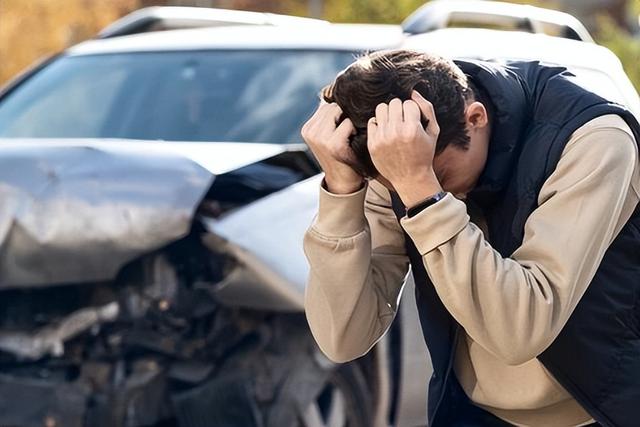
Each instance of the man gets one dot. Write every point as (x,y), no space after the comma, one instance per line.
(512,191)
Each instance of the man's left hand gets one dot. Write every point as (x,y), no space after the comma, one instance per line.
(403,150)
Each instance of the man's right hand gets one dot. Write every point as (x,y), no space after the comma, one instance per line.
(329,142)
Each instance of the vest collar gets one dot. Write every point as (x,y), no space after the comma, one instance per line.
(509,97)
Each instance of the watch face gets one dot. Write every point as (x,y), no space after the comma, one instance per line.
(414,210)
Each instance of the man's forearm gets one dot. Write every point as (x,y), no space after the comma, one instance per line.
(353,286)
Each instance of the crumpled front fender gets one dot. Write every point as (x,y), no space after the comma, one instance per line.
(77,213)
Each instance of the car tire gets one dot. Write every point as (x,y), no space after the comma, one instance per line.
(344,401)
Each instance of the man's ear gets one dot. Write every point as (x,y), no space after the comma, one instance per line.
(476,116)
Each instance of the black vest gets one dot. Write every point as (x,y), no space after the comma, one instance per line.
(596,357)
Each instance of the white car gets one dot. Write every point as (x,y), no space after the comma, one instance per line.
(154,193)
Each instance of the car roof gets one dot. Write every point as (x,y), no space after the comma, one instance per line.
(436,14)
(341,37)
(487,44)
(179,17)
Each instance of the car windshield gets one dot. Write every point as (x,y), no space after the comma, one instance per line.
(235,96)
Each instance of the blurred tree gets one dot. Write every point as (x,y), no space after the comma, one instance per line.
(588,11)
(290,7)
(32,29)
(377,11)
(623,44)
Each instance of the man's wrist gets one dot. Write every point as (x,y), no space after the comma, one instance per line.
(424,204)
(342,187)
(340,215)
(419,189)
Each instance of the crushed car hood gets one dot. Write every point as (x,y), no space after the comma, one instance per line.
(271,249)
(78,210)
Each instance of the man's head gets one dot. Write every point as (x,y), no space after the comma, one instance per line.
(382,76)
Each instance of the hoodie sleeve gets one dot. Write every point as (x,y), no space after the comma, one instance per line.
(355,249)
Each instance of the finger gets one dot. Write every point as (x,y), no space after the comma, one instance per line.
(322,124)
(395,111)
(319,111)
(311,122)
(411,112)
(326,109)
(372,132)
(382,114)
(344,130)
(372,129)
(332,112)
(315,122)
(427,110)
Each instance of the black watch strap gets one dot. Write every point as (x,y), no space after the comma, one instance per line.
(420,206)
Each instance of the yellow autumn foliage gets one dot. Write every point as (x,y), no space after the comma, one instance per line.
(33,29)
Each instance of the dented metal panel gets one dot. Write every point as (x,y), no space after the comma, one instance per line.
(266,236)
(114,289)
(79,213)
(76,211)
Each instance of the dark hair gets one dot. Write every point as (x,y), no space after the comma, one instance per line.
(381,76)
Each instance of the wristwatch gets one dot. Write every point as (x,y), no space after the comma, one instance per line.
(420,206)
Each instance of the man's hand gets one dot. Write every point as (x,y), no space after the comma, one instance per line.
(330,144)
(402,150)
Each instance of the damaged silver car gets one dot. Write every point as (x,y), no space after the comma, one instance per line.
(154,192)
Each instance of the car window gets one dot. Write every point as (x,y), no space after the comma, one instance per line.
(237,96)
(487,21)
(60,102)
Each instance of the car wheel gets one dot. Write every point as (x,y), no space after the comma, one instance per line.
(345,401)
